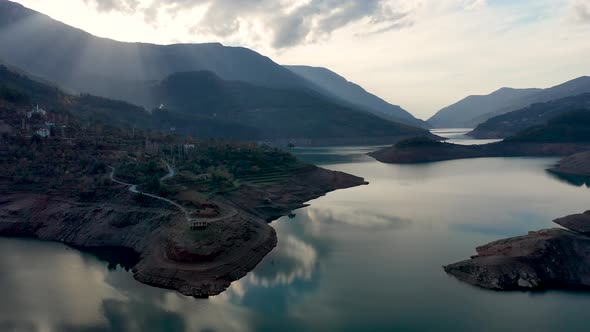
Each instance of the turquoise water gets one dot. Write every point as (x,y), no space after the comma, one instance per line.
(367,258)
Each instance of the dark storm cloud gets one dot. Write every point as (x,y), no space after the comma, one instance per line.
(289,22)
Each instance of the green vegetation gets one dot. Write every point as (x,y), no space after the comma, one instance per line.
(418,142)
(539,114)
(13,96)
(572,127)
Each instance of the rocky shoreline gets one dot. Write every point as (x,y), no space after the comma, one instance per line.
(554,258)
(545,259)
(577,164)
(169,255)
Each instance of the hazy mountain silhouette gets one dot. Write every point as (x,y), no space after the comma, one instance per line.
(275,113)
(352,93)
(81,62)
(85,63)
(538,114)
(463,113)
(477,109)
(203,105)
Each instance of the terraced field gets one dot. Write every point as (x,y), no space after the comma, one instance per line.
(266,177)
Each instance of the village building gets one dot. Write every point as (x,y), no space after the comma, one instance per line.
(43,132)
(198,224)
(36,110)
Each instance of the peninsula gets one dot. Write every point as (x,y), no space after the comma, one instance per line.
(563,135)
(184,214)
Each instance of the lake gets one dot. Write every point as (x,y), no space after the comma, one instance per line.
(368,258)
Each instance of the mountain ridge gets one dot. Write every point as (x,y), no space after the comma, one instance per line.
(355,94)
(84,63)
(468,113)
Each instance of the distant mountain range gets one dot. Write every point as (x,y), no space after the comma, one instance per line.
(80,62)
(203,105)
(274,113)
(354,94)
(538,114)
(474,110)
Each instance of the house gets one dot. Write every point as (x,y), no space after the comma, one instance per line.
(37,110)
(198,224)
(43,132)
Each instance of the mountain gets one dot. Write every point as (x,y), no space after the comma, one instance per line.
(275,113)
(474,110)
(17,87)
(463,113)
(563,135)
(203,105)
(570,127)
(354,94)
(509,124)
(80,61)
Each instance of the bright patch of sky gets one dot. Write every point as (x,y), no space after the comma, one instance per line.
(420,54)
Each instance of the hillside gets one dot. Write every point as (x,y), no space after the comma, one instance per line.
(275,113)
(183,214)
(80,61)
(203,105)
(475,110)
(570,127)
(564,135)
(352,93)
(538,114)
(463,113)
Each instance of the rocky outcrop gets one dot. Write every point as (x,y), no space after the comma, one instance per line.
(552,258)
(577,164)
(576,222)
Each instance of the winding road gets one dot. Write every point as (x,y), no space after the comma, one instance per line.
(133,189)
(170,174)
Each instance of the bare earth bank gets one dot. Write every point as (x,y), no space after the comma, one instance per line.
(169,255)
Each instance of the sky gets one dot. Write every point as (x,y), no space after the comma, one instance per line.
(420,54)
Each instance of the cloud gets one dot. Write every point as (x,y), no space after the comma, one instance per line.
(126,6)
(281,23)
(581,11)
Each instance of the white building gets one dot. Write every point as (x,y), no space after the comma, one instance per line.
(37,110)
(43,132)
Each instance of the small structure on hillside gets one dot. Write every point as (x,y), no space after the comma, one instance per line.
(36,110)
(43,132)
(198,224)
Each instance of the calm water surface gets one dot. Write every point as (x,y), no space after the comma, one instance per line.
(367,258)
